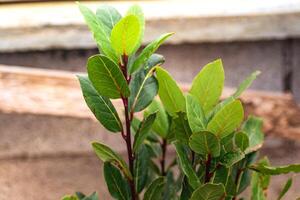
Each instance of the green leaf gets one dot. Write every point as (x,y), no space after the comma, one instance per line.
(276,170)
(186,191)
(231,158)
(155,189)
(209,191)
(227,119)
(207,86)
(99,28)
(109,16)
(180,128)
(80,195)
(242,140)
(143,88)
(170,187)
(253,128)
(185,165)
(223,175)
(161,123)
(257,192)
(245,84)
(148,51)
(155,59)
(106,154)
(117,186)
(107,77)
(125,35)
(205,143)
(169,92)
(286,188)
(143,131)
(195,114)
(68,197)
(101,106)
(141,164)
(137,11)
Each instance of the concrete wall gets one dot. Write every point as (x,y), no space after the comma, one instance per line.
(277,59)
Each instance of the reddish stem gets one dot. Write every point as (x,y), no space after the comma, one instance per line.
(163,157)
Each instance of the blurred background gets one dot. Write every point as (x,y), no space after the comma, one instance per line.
(45,126)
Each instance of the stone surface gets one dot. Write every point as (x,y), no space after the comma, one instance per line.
(36,26)
(184,61)
(296,71)
(37,136)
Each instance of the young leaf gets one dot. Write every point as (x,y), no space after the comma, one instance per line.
(99,28)
(276,170)
(138,12)
(253,128)
(68,197)
(186,166)
(161,123)
(143,88)
(143,131)
(155,189)
(106,154)
(109,16)
(227,119)
(242,140)
(101,106)
(148,51)
(125,35)
(207,86)
(286,188)
(209,191)
(169,92)
(205,143)
(117,186)
(180,128)
(141,166)
(195,114)
(107,77)
(245,84)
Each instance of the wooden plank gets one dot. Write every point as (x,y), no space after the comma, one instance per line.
(50,92)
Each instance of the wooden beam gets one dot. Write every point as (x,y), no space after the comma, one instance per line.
(51,92)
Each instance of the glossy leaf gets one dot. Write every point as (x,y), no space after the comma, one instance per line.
(141,166)
(125,35)
(143,131)
(107,77)
(161,123)
(207,86)
(276,170)
(242,140)
(108,16)
(143,88)
(106,154)
(155,59)
(231,158)
(209,191)
(223,175)
(227,119)
(155,189)
(195,114)
(169,92)
(99,28)
(148,51)
(186,166)
(180,128)
(253,128)
(137,11)
(245,84)
(286,188)
(117,186)
(205,143)
(101,106)
(69,197)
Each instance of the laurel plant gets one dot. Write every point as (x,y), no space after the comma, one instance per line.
(216,150)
